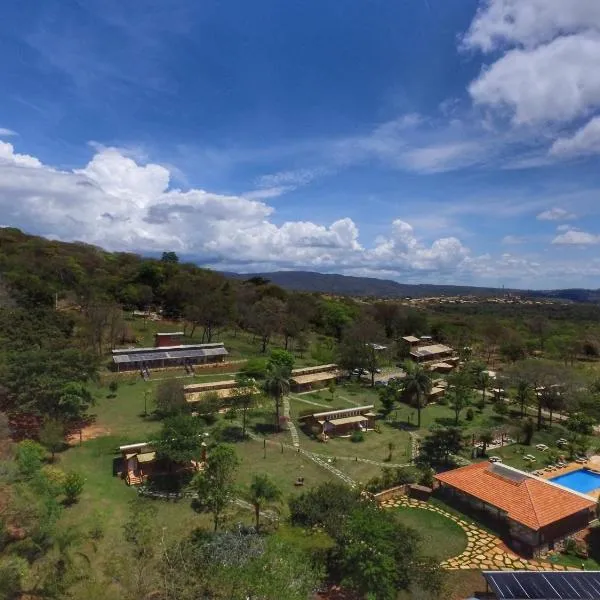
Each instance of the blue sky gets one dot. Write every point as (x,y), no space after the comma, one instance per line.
(420,140)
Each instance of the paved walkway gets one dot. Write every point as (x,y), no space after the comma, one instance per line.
(291,426)
(484,550)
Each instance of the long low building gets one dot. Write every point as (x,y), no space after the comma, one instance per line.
(431,352)
(195,392)
(129,359)
(537,514)
(343,421)
(306,378)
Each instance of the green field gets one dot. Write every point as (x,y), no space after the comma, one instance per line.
(441,537)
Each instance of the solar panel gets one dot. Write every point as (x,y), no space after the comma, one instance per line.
(507,473)
(550,585)
(168,355)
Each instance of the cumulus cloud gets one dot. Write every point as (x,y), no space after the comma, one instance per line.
(116,202)
(574,237)
(555,82)
(543,73)
(555,214)
(584,141)
(529,22)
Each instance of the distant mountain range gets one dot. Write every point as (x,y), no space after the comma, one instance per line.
(345,285)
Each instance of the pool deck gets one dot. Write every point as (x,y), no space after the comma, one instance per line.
(593,464)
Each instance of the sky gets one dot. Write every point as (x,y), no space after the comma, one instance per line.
(434,141)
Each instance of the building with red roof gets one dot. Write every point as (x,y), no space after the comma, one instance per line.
(538,514)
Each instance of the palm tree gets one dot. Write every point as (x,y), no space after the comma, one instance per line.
(263,490)
(417,384)
(277,385)
(486,437)
(483,383)
(523,394)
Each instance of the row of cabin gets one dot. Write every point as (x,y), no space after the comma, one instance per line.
(168,351)
(337,423)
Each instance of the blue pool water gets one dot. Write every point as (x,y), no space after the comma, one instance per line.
(580,481)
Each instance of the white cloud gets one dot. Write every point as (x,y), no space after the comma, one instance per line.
(513,240)
(574,237)
(555,214)
(584,141)
(556,82)
(8,155)
(120,204)
(529,22)
(4,132)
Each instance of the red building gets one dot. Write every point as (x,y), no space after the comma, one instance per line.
(162,340)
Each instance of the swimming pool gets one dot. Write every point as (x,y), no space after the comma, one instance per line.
(581,480)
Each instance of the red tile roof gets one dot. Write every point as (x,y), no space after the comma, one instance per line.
(533,502)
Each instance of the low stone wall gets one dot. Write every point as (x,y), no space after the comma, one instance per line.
(391,493)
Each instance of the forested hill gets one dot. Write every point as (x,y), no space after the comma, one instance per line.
(344,285)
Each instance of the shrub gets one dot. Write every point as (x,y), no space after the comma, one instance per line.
(29,457)
(73,487)
(113,386)
(570,546)
(470,414)
(357,436)
(255,367)
(426,477)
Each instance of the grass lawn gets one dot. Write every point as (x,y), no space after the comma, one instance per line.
(441,537)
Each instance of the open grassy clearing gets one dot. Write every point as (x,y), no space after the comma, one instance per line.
(441,537)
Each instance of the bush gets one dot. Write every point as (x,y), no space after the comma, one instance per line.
(113,386)
(570,546)
(470,414)
(73,487)
(480,404)
(255,367)
(426,477)
(357,436)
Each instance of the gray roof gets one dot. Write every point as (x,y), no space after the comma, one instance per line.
(161,354)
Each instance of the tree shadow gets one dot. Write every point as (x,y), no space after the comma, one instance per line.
(231,433)
(264,428)
(446,421)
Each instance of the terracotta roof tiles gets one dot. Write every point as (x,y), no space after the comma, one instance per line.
(532,502)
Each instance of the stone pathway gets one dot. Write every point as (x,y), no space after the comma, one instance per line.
(291,426)
(484,550)
(414,446)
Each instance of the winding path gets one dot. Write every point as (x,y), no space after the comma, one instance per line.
(484,550)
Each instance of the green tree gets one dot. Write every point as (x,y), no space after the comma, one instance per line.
(388,396)
(326,505)
(74,401)
(486,437)
(73,487)
(243,397)
(523,395)
(282,358)
(417,385)
(52,436)
(528,429)
(180,439)
(459,399)
(277,385)
(484,382)
(375,555)
(263,490)
(580,423)
(29,457)
(436,448)
(215,485)
(331,387)
(170,397)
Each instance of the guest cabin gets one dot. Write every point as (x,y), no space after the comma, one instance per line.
(338,423)
(308,378)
